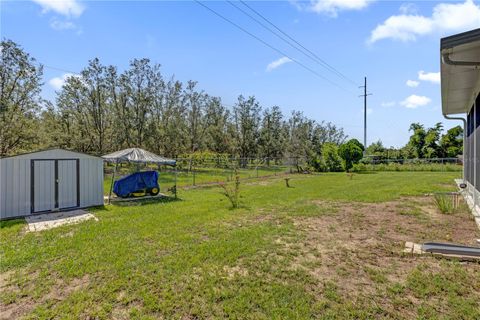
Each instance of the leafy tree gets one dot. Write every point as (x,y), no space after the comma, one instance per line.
(431,147)
(218,134)
(138,87)
(84,108)
(451,142)
(247,120)
(272,134)
(300,133)
(351,152)
(195,105)
(330,157)
(376,148)
(416,143)
(20,87)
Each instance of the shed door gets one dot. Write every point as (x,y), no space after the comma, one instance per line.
(67,184)
(55,184)
(43,185)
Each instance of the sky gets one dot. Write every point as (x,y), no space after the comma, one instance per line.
(395,44)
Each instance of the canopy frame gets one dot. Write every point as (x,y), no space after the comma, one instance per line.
(137,155)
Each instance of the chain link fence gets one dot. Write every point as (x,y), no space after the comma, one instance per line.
(210,171)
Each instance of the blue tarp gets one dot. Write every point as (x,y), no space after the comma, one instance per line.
(134,182)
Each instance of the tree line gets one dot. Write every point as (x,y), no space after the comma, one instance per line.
(101,109)
(424,143)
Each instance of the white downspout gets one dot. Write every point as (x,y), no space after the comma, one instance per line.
(464,141)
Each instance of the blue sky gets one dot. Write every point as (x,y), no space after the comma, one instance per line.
(390,42)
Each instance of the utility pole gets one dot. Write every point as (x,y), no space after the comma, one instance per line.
(364,95)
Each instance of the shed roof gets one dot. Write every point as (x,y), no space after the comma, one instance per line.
(460,83)
(44,152)
(137,155)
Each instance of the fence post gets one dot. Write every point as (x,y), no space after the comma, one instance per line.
(193,171)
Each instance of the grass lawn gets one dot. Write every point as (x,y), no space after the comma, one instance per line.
(329,247)
(203,176)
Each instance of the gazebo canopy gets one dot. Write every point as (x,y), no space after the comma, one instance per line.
(137,155)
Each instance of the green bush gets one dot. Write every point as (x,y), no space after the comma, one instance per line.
(414,166)
(331,159)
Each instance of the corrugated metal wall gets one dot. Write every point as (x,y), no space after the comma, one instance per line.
(14,187)
(15,181)
(472,146)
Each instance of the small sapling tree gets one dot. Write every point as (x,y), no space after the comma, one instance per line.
(232,192)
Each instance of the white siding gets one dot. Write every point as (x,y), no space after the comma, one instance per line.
(15,181)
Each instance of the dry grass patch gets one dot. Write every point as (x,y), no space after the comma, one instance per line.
(356,252)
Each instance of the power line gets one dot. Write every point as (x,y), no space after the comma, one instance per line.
(269,45)
(312,55)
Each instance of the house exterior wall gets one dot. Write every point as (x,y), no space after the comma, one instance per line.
(16,180)
(472,152)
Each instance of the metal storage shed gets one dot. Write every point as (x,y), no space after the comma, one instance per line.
(49,180)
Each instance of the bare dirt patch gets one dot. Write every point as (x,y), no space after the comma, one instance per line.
(359,247)
(23,304)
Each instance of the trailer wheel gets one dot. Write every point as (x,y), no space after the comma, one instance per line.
(154,191)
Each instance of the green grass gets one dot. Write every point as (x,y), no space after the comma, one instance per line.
(197,258)
(203,176)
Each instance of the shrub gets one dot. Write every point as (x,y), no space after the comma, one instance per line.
(233,193)
(330,158)
(444,203)
(415,166)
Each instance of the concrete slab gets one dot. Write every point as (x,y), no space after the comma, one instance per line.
(56,219)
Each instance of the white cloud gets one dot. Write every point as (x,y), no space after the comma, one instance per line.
(415,101)
(68,8)
(332,7)
(388,104)
(412,83)
(277,63)
(408,8)
(62,25)
(429,76)
(369,111)
(58,82)
(446,17)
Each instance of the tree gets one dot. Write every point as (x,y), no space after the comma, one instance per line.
(417,140)
(20,87)
(84,106)
(195,103)
(247,120)
(351,152)
(431,147)
(272,134)
(138,86)
(300,133)
(451,143)
(217,136)
(330,157)
(376,149)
